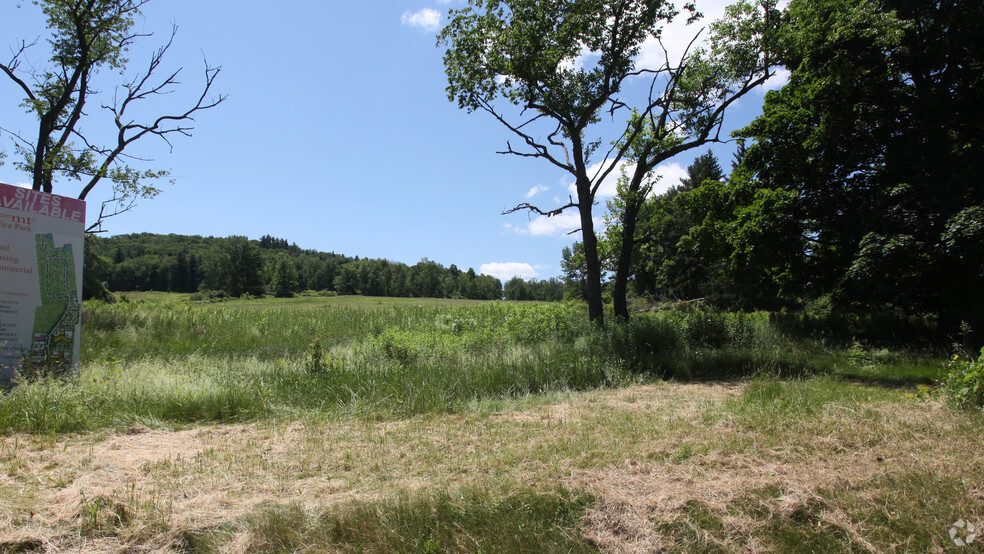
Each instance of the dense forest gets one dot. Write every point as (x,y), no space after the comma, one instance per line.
(860,189)
(237,266)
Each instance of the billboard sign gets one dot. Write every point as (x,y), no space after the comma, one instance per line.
(41,240)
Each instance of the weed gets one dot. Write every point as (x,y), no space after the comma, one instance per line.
(319,362)
(964,382)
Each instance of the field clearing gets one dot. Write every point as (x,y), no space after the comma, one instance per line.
(291,426)
(670,467)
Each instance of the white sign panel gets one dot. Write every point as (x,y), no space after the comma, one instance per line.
(41,239)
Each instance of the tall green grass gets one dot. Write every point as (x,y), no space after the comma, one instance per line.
(178,363)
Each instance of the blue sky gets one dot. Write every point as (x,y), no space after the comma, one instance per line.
(337,134)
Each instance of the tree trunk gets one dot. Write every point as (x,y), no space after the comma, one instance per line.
(620,303)
(630,217)
(596,307)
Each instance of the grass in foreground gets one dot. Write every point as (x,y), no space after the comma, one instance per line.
(800,465)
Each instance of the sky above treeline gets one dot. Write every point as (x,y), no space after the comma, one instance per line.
(337,134)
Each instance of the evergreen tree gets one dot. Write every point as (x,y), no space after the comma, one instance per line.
(283,276)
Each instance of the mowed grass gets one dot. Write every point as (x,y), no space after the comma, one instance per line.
(783,465)
(360,424)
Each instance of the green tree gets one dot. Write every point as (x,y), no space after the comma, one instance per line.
(572,267)
(283,276)
(95,271)
(517,289)
(704,168)
(527,54)
(89,36)
(875,148)
(235,267)
(666,265)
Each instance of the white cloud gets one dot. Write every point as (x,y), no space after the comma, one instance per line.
(537,189)
(427,19)
(777,81)
(677,35)
(507,270)
(670,175)
(554,226)
(543,226)
(610,185)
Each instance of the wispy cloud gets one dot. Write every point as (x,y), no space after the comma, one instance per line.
(537,189)
(427,19)
(507,270)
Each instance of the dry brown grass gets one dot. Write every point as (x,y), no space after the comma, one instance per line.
(650,455)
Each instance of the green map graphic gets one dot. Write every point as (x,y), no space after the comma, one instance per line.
(53,335)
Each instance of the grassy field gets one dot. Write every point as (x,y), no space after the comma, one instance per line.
(360,424)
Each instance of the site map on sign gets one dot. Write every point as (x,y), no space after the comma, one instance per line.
(56,318)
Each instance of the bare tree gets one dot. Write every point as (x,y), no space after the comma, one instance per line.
(87,36)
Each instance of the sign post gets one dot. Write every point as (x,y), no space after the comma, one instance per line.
(41,241)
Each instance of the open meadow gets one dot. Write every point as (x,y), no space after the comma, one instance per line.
(358,424)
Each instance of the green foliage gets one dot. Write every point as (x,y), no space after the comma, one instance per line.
(319,362)
(666,264)
(964,382)
(870,157)
(469,520)
(210,296)
(235,268)
(177,263)
(283,277)
(545,290)
(525,54)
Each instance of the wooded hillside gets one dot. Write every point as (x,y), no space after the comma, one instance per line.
(237,265)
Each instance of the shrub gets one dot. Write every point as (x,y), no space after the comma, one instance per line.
(318,361)
(210,296)
(964,383)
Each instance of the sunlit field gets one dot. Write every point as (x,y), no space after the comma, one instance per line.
(367,424)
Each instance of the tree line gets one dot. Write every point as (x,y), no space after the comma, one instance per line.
(237,266)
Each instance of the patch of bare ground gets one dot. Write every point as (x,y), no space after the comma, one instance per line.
(650,455)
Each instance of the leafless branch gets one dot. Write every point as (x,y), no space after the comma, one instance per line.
(116,205)
(539,150)
(141,88)
(526,206)
(10,68)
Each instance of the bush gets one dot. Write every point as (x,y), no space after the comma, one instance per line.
(210,296)
(964,383)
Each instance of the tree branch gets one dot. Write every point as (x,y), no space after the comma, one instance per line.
(547,213)
(540,150)
(10,68)
(139,89)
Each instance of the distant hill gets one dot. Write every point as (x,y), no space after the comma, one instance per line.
(237,265)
